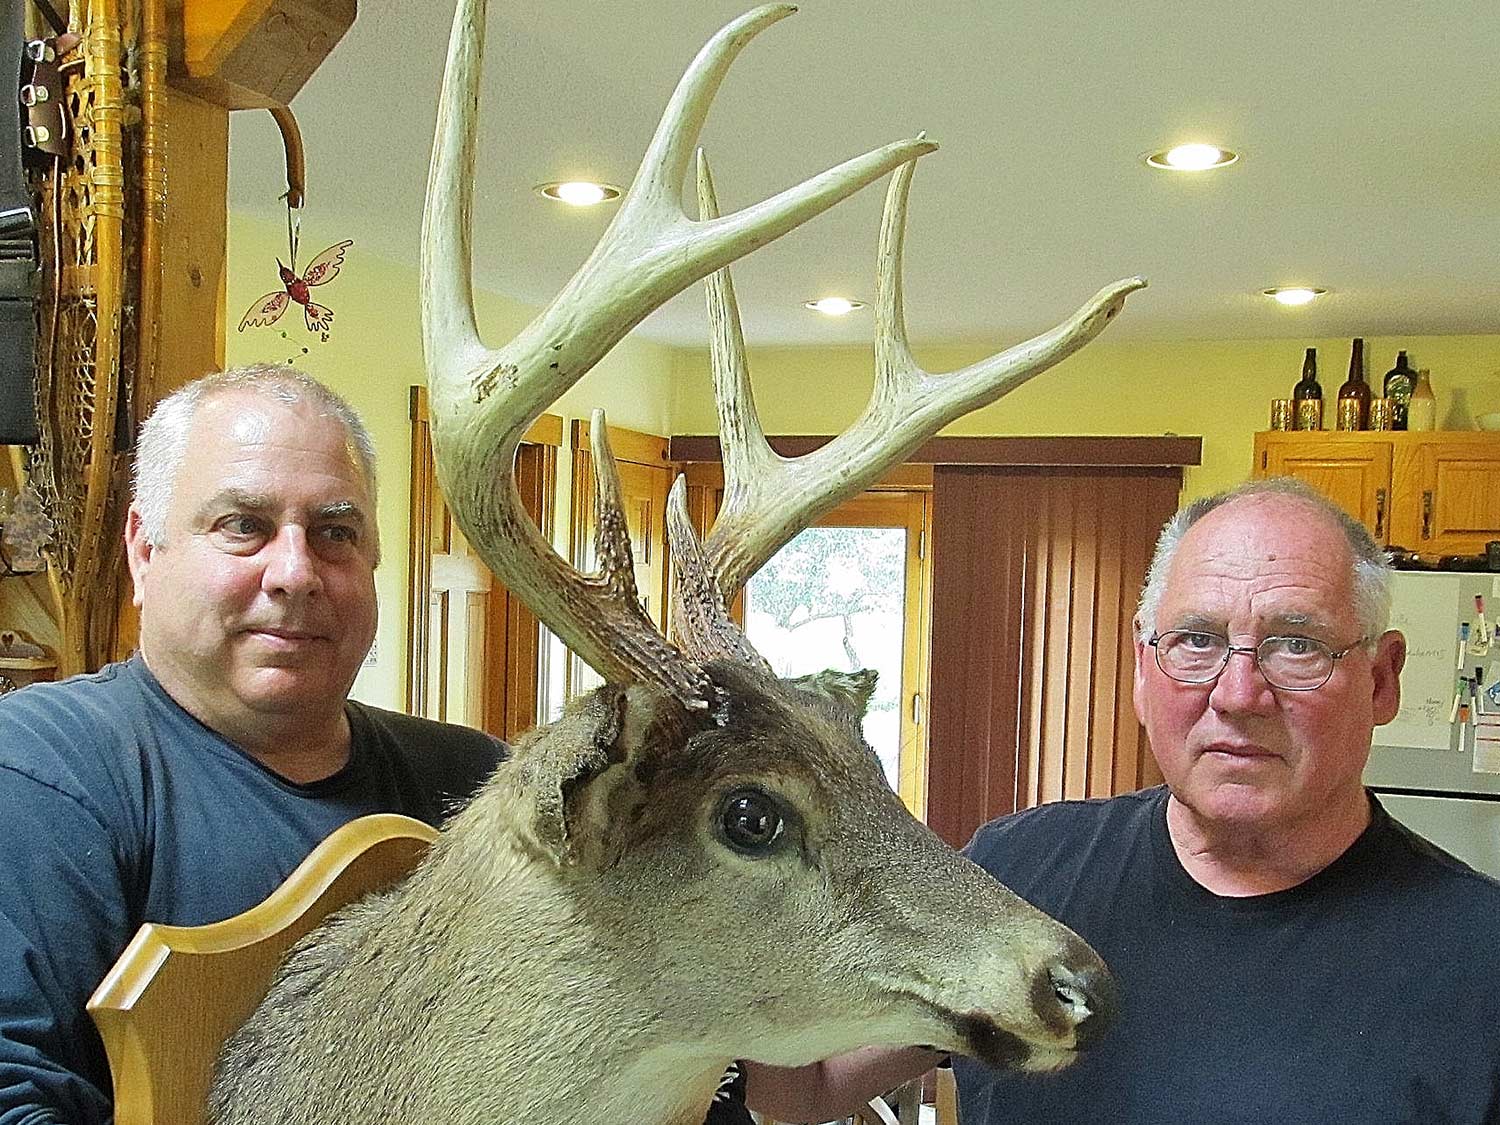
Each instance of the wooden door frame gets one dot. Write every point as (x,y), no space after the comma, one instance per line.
(910,509)
(705,488)
(512,638)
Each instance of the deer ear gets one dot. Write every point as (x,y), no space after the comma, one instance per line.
(587,773)
(853,690)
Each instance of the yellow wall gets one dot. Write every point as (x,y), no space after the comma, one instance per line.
(373,355)
(1220,390)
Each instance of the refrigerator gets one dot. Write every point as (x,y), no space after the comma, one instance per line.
(1436,767)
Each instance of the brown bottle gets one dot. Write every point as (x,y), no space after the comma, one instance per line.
(1309,390)
(1355,388)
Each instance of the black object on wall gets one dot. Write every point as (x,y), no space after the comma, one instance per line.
(18,269)
(17,359)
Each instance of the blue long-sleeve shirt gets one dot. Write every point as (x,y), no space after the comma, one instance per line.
(117,807)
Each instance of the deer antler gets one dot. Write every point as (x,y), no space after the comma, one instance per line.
(769,498)
(483,401)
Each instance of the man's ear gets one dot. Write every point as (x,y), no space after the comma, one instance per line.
(138,552)
(1390,658)
(1144,658)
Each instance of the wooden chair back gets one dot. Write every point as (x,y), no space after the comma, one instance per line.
(178,992)
(947,1097)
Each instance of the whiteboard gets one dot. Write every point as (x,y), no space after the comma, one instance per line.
(1426,609)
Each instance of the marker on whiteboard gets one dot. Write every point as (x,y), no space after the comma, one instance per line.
(1479,632)
(1463,640)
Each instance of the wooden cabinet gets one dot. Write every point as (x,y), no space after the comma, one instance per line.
(1435,493)
(1356,475)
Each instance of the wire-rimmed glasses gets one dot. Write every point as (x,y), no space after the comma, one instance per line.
(1289,663)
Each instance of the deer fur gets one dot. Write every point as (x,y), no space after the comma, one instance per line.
(583,945)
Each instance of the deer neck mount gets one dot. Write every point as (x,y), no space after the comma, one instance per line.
(699,861)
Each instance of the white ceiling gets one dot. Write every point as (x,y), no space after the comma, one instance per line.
(1370,131)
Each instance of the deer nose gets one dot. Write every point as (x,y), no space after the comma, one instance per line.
(1086,992)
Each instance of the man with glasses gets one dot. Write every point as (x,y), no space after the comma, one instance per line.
(1286,952)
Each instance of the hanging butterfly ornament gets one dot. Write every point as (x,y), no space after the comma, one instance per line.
(296,287)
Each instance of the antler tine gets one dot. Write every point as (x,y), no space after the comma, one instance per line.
(892,349)
(937,399)
(704,628)
(766,507)
(659,181)
(702,624)
(743,441)
(450,335)
(483,401)
(631,634)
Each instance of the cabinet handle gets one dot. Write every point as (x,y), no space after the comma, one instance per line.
(1427,513)
(1379,513)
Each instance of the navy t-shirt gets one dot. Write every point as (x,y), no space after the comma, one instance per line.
(1368,994)
(117,807)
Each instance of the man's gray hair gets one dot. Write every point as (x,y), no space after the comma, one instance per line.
(1372,568)
(163,438)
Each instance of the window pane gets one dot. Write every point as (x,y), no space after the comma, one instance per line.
(834,597)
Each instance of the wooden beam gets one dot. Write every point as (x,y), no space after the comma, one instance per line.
(252,54)
(190,317)
(193,243)
(1117,451)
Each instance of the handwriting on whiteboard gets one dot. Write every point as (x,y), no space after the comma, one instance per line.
(1425,607)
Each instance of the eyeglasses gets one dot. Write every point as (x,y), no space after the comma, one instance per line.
(1288,663)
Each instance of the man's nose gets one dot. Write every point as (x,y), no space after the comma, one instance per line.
(1240,686)
(291,566)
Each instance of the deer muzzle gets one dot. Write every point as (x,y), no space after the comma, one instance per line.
(1080,994)
(1073,1001)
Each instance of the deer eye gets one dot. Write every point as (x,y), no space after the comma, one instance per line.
(751,820)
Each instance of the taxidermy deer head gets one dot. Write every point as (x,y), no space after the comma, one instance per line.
(698,862)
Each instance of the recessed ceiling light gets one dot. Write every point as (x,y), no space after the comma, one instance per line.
(833,306)
(1294,294)
(1192,158)
(578,193)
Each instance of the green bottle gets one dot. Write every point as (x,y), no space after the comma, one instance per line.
(1400,381)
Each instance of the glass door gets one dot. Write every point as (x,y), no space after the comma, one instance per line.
(849,594)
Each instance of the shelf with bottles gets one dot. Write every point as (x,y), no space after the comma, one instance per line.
(1404,400)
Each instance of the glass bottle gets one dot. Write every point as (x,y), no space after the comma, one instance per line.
(1421,408)
(1400,381)
(1357,389)
(1308,390)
